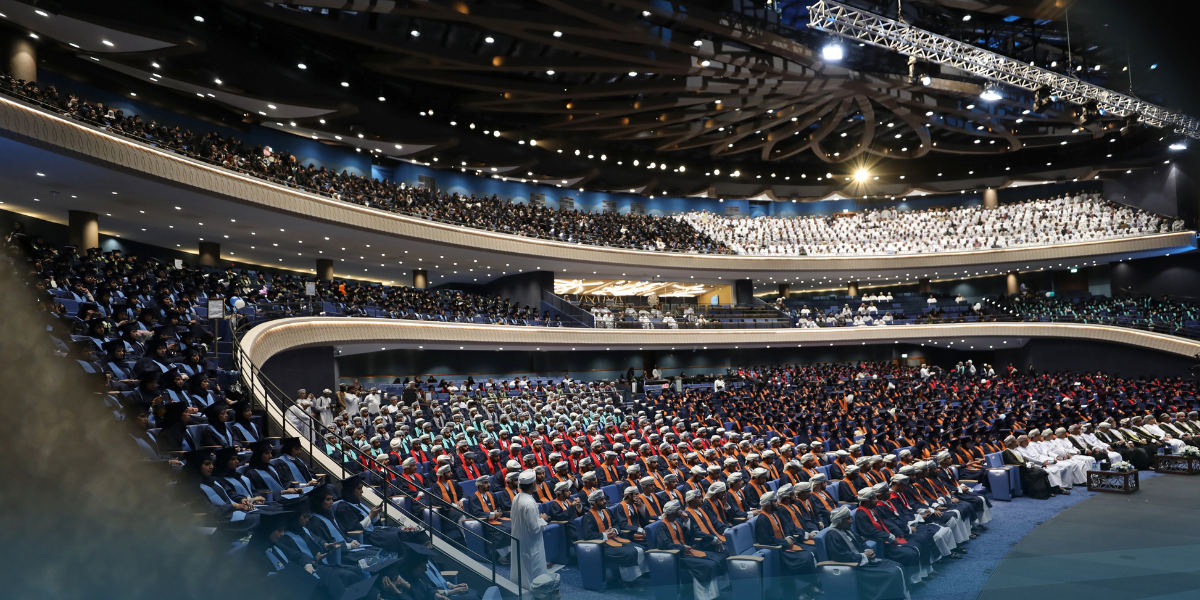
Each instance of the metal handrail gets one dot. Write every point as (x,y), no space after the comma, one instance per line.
(252,378)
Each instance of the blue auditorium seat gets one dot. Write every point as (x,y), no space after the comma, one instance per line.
(748,575)
(590,555)
(837,579)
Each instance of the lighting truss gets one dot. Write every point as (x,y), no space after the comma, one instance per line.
(852,23)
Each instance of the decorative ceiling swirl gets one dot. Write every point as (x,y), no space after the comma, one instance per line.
(677,78)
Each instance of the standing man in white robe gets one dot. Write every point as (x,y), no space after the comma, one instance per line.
(323,405)
(527,527)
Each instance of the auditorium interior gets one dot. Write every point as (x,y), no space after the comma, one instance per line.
(533,299)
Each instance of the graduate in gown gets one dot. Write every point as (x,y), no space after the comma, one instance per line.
(352,514)
(264,549)
(599,524)
(324,528)
(218,433)
(197,474)
(484,507)
(262,474)
(878,579)
(798,566)
(701,567)
(299,545)
(564,511)
(527,527)
(869,526)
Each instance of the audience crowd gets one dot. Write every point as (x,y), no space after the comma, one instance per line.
(1064,219)
(1059,220)
(878,436)
(1161,314)
(643,232)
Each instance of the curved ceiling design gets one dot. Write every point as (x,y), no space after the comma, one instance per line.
(686,81)
(269,339)
(90,35)
(260,107)
(70,138)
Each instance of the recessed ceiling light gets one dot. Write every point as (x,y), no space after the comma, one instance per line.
(489,39)
(345,84)
(198,19)
(301,66)
(558,34)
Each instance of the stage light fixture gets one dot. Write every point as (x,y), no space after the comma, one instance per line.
(991,93)
(1042,99)
(832,52)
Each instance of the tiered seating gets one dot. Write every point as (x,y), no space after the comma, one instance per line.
(905,308)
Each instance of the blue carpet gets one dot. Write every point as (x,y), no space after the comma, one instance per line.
(958,579)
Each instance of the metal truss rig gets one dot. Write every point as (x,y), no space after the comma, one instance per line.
(849,22)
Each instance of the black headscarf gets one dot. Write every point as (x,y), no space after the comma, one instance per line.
(174,427)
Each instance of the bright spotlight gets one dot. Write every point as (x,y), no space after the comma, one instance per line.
(1180,145)
(861,175)
(832,52)
(926,80)
(991,93)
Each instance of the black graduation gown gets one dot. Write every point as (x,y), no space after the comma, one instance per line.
(328,582)
(1035,482)
(922,538)
(628,524)
(906,554)
(305,550)
(880,579)
(322,533)
(563,511)
(976,501)
(225,509)
(211,436)
(620,555)
(477,509)
(702,568)
(349,517)
(794,560)
(258,478)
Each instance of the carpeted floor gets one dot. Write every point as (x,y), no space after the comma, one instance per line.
(1034,546)
(1113,547)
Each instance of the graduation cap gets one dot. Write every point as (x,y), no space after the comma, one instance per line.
(351,483)
(364,589)
(289,443)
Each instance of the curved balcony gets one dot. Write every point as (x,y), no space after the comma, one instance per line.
(274,337)
(256,198)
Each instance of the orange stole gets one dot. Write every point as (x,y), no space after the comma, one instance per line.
(677,536)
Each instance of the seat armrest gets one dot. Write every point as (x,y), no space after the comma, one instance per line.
(449,574)
(831,563)
(559,522)
(968,481)
(744,557)
(589,541)
(663,551)
(359,532)
(844,503)
(766,546)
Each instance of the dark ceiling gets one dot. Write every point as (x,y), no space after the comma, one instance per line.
(705,87)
